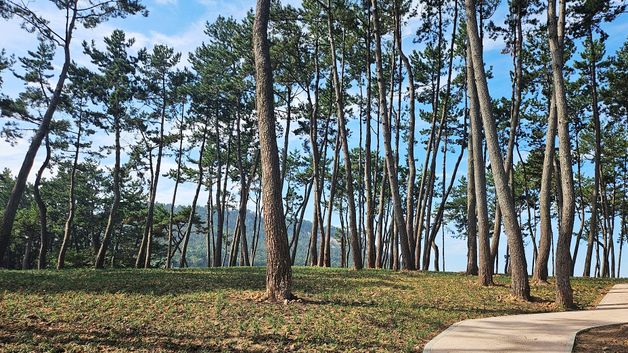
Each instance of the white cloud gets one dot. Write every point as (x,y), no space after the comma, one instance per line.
(493,44)
(184,42)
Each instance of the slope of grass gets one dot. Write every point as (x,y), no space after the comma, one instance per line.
(217,309)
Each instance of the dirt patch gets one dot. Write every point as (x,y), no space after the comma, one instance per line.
(611,339)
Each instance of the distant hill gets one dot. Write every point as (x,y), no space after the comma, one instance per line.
(197,246)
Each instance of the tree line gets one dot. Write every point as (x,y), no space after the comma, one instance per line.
(382,133)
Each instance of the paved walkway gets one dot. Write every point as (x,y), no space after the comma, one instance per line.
(548,332)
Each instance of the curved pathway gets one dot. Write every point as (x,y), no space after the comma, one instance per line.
(547,332)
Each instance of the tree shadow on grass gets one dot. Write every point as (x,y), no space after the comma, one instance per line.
(173,282)
(153,282)
(42,334)
(108,339)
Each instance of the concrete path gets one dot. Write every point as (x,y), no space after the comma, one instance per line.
(548,332)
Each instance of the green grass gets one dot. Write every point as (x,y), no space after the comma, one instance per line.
(217,310)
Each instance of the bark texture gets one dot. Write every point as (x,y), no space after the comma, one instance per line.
(555,26)
(485,267)
(545,201)
(278,270)
(520,286)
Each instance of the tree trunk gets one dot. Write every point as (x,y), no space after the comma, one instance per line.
(410,137)
(67,229)
(623,224)
(174,193)
(606,231)
(28,250)
(593,221)
(296,230)
(472,230)
(278,270)
(256,227)
(209,236)
(342,128)
(220,216)
(582,204)
(485,269)
(316,158)
(438,219)
(545,201)
(244,196)
(199,183)
(141,254)
(41,207)
(514,124)
(441,129)
(407,264)
(148,228)
(112,222)
(13,203)
(520,286)
(371,254)
(332,193)
(564,295)
(286,139)
(326,236)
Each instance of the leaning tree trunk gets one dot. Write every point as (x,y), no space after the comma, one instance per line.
(379,259)
(408,264)
(174,195)
(148,229)
(410,138)
(245,188)
(564,295)
(8,218)
(342,130)
(545,201)
(426,191)
(296,229)
(141,254)
(472,230)
(284,152)
(41,207)
(199,183)
(278,270)
(316,158)
(210,234)
(332,192)
(594,220)
(514,124)
(485,269)
(326,235)
(220,214)
(67,229)
(371,254)
(582,210)
(113,212)
(441,129)
(520,286)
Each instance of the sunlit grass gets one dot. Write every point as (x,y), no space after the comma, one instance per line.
(213,310)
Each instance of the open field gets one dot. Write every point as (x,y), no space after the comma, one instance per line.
(213,310)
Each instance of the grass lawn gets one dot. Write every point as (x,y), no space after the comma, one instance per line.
(214,310)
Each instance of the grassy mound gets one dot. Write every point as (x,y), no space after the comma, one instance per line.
(214,310)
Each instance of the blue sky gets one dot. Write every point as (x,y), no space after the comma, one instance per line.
(180,24)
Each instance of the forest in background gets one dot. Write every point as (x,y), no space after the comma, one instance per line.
(548,160)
